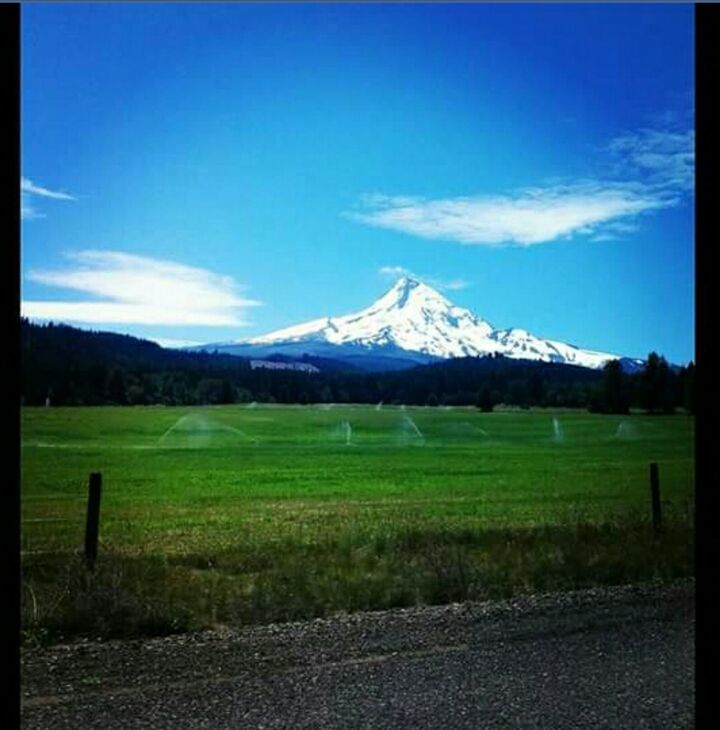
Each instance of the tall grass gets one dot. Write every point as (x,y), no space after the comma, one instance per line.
(147,595)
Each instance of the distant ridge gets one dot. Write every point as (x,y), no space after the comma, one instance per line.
(411,324)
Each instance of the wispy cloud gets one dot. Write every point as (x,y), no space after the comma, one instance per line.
(28,186)
(653,169)
(131,289)
(27,211)
(664,158)
(394,271)
(28,189)
(525,218)
(442,284)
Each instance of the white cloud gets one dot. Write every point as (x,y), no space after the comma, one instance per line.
(28,189)
(395,271)
(455,285)
(525,218)
(653,168)
(28,186)
(27,212)
(133,289)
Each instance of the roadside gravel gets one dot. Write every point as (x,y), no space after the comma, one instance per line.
(603,657)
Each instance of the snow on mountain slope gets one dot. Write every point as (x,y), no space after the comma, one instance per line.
(411,316)
(519,343)
(414,317)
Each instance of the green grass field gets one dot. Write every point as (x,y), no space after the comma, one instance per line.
(238,514)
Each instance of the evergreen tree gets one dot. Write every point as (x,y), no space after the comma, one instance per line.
(484,399)
(227,392)
(615,398)
(650,384)
(656,385)
(115,388)
(689,388)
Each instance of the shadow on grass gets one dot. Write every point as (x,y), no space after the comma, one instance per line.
(154,595)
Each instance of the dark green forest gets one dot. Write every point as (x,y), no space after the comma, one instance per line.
(62,365)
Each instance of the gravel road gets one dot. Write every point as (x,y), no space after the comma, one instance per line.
(620,657)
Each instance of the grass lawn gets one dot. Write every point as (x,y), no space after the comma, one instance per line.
(252,513)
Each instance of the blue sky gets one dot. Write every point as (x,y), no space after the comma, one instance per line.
(197,173)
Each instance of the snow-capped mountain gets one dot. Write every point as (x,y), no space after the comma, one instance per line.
(413,321)
(410,316)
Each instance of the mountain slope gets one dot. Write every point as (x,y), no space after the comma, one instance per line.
(410,316)
(412,322)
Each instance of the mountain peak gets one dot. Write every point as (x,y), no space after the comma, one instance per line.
(407,289)
(413,317)
(406,282)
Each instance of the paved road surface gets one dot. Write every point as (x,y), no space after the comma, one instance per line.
(601,658)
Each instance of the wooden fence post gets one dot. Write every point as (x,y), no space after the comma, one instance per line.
(655,498)
(92,525)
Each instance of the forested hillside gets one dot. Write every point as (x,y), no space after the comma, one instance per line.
(70,366)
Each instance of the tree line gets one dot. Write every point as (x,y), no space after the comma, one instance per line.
(62,365)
